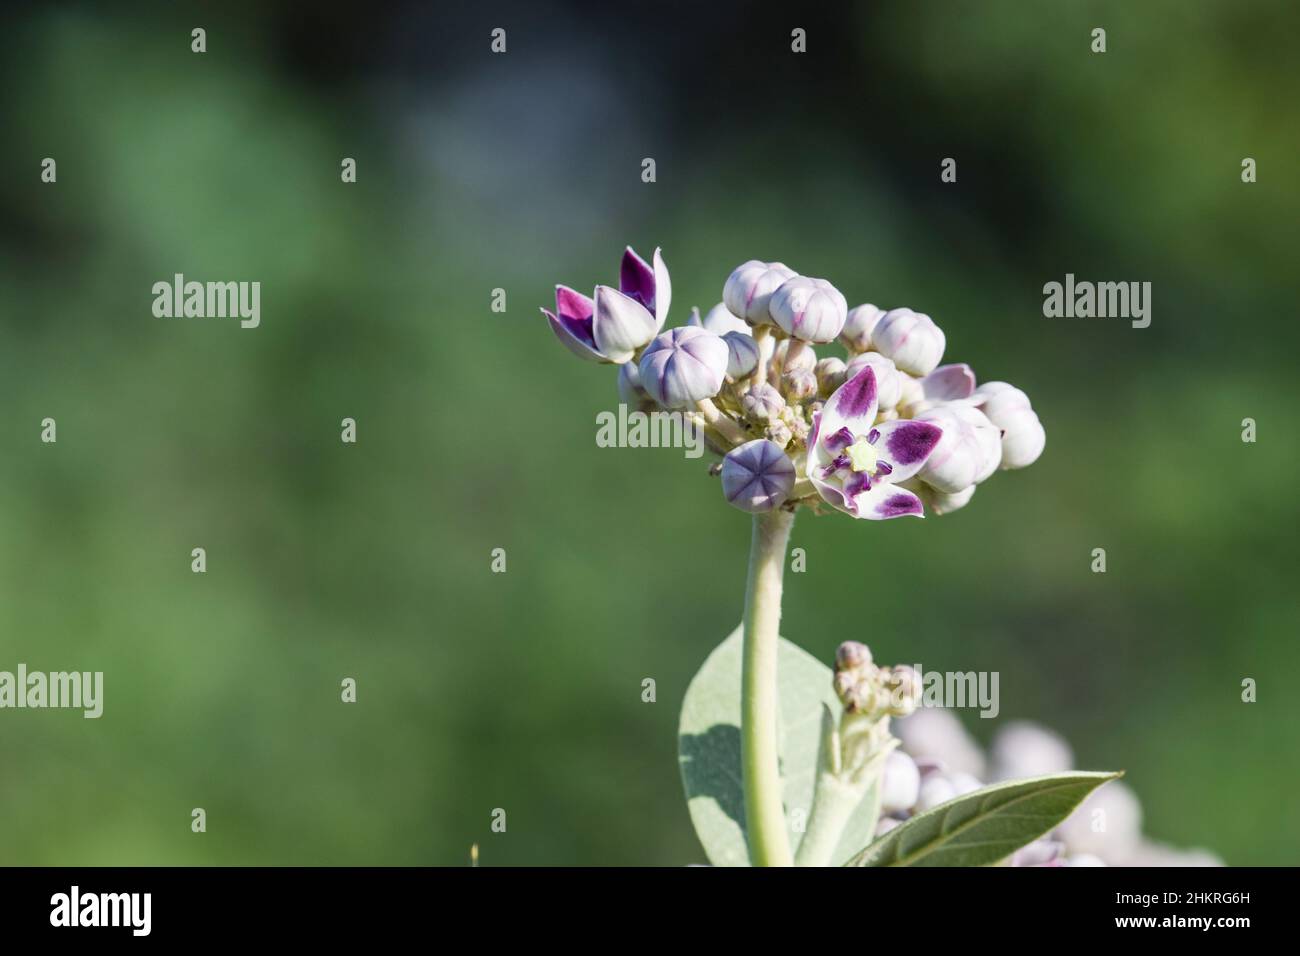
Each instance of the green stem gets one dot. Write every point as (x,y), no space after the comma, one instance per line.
(769,844)
(833,805)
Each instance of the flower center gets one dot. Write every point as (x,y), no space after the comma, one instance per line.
(862,456)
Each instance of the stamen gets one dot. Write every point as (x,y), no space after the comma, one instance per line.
(872,436)
(840,439)
(884,467)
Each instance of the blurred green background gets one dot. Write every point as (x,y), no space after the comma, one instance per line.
(522,690)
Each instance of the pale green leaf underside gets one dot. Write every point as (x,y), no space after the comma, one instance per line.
(983,827)
(708,749)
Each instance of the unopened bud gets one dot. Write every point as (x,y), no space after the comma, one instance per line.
(812,310)
(889,381)
(903,685)
(762,403)
(749,289)
(798,385)
(742,354)
(757,476)
(911,339)
(856,334)
(851,655)
(830,374)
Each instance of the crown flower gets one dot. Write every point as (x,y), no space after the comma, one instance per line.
(878,432)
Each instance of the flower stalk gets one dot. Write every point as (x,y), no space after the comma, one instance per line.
(769,843)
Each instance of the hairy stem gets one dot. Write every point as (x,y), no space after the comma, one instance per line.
(833,805)
(769,843)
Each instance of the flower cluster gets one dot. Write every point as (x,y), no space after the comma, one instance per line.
(938,761)
(883,432)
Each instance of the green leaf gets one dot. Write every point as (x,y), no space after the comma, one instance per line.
(983,827)
(708,749)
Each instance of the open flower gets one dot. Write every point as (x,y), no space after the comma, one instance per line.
(617,322)
(856,465)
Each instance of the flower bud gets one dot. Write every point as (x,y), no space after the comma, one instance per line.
(900,783)
(621,324)
(851,655)
(861,320)
(941,503)
(903,685)
(762,402)
(718,320)
(886,824)
(969,450)
(1007,407)
(932,734)
(830,374)
(791,355)
(757,476)
(742,353)
(749,289)
(1041,852)
(798,385)
(889,381)
(684,366)
(935,789)
(911,339)
(859,696)
(779,432)
(964,783)
(1024,749)
(1117,807)
(812,310)
(630,391)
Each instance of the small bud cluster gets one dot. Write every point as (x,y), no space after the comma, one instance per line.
(872,691)
(883,432)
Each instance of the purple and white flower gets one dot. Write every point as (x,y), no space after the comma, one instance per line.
(757,476)
(970,450)
(811,310)
(856,465)
(684,366)
(617,322)
(749,288)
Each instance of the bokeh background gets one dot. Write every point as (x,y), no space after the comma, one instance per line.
(476,429)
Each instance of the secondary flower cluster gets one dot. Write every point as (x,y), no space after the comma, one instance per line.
(881,433)
(938,760)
